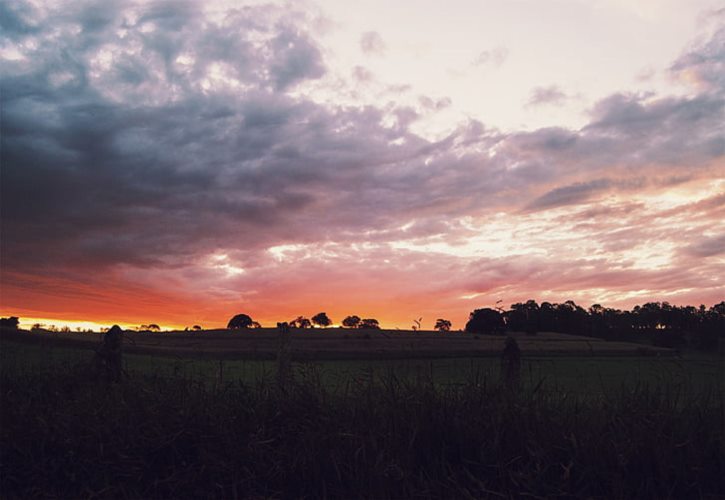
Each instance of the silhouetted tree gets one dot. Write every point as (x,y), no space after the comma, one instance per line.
(571,318)
(241,321)
(11,322)
(711,327)
(300,322)
(523,317)
(351,321)
(598,321)
(659,323)
(487,321)
(515,318)
(547,317)
(443,325)
(196,328)
(321,319)
(369,323)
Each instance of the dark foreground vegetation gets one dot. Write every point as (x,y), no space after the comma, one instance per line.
(67,435)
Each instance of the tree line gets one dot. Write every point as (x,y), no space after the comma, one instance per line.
(322,320)
(659,323)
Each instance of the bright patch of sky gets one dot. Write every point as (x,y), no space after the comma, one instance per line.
(489,57)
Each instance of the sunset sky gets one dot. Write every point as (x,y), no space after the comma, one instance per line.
(181,162)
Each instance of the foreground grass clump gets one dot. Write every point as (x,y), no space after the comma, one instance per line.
(63,435)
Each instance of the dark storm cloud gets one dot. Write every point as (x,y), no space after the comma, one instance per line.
(99,179)
(15,19)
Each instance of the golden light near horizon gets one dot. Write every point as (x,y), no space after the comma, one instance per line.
(29,323)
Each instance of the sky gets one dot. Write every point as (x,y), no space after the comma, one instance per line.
(181,162)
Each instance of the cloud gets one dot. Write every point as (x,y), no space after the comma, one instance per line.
(703,64)
(569,195)
(551,95)
(297,58)
(362,74)
(434,104)
(372,43)
(14,20)
(708,246)
(668,130)
(494,57)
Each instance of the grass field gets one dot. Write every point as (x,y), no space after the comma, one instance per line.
(580,372)
(581,426)
(337,344)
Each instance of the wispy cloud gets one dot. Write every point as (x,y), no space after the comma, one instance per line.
(494,57)
(551,95)
(372,43)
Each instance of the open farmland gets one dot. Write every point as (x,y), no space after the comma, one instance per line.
(338,358)
(343,344)
(186,421)
(182,427)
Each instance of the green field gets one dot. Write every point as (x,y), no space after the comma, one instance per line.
(577,374)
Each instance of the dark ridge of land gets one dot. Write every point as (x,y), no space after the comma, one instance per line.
(341,344)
